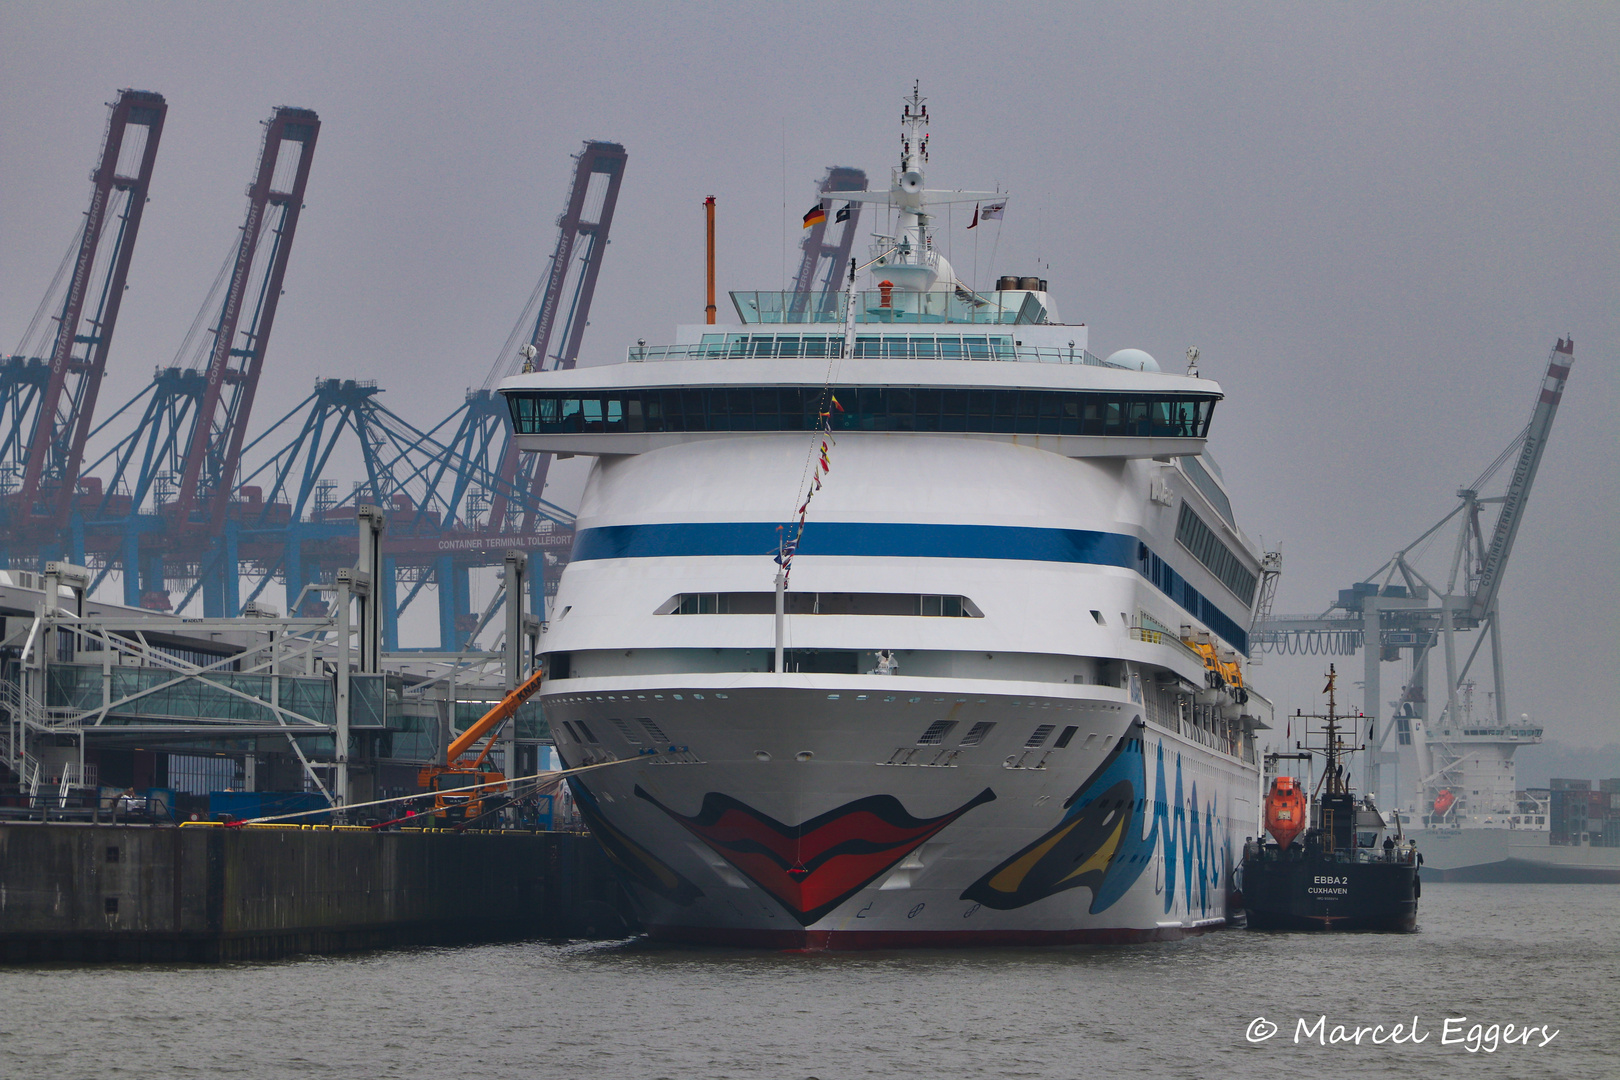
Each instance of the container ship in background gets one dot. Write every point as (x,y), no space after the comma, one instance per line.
(927,625)
(1566,833)
(1474,823)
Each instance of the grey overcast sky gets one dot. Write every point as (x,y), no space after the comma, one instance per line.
(1373,219)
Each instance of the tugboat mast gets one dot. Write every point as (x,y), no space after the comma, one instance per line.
(1333,745)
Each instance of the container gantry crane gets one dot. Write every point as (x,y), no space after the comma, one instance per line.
(1396,608)
(514,513)
(47,404)
(587,219)
(824,258)
(296,526)
(166,512)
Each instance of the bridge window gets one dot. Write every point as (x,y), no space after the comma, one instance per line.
(800,408)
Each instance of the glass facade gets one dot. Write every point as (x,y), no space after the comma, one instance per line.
(529,718)
(1205,483)
(159,693)
(850,408)
(1196,537)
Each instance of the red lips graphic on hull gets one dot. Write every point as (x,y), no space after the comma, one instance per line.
(813,867)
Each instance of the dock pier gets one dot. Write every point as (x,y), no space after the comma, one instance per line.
(213,894)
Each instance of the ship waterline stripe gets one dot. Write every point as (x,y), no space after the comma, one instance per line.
(890,540)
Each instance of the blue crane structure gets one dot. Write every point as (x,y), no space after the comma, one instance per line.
(187,507)
(458,495)
(1396,608)
(485,486)
(297,527)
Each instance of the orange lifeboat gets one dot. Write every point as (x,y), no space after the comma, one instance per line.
(1443,803)
(1285,810)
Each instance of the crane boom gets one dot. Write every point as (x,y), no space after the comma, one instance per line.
(209,469)
(486,723)
(816,247)
(598,173)
(1559,362)
(65,404)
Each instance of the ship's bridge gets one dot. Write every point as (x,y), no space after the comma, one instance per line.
(957,384)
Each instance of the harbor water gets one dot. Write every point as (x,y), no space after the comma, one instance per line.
(1534,956)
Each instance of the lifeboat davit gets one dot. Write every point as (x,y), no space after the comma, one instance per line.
(1285,810)
(1443,803)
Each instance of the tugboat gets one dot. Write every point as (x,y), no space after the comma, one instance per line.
(1334,863)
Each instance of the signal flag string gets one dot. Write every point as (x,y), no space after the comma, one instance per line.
(818,462)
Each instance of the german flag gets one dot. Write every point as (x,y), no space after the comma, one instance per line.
(815,215)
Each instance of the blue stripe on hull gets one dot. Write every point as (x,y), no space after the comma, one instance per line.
(894,540)
(874,540)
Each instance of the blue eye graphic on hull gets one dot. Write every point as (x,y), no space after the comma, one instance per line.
(1104,841)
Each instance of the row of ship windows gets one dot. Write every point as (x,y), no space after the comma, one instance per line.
(1212,491)
(848,408)
(764,603)
(1206,547)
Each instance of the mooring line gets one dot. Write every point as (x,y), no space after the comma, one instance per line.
(553,774)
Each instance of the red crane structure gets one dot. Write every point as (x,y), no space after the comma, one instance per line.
(598,171)
(166,511)
(237,355)
(450,508)
(817,246)
(46,406)
(513,513)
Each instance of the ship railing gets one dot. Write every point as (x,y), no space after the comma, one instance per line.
(878,349)
(1164,637)
(896,306)
(1401,856)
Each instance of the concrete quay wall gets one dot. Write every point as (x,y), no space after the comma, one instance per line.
(142,893)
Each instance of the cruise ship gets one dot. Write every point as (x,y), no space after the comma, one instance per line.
(911,621)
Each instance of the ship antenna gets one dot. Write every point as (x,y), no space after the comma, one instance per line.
(1335,781)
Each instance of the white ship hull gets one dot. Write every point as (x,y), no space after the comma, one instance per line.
(807,815)
(923,628)
(1512,855)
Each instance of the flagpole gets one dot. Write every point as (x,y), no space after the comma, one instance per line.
(781,597)
(849,316)
(974,224)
